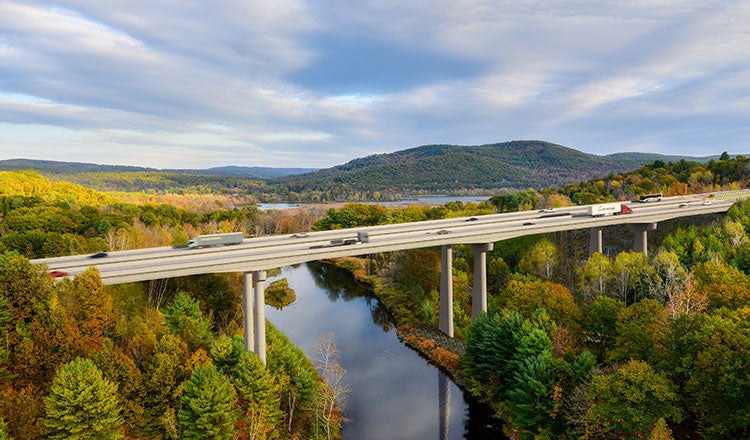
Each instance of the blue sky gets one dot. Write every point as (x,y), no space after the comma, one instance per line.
(295,83)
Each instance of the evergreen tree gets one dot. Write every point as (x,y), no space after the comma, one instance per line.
(208,406)
(259,397)
(183,317)
(82,404)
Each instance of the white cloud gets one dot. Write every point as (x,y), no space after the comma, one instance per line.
(173,71)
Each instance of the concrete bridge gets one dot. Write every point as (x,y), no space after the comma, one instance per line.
(256,255)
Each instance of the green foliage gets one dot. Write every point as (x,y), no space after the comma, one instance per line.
(642,330)
(529,396)
(516,201)
(629,402)
(279,294)
(712,352)
(82,404)
(183,317)
(259,394)
(599,324)
(208,406)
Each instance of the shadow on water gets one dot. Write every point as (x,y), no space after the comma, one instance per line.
(479,422)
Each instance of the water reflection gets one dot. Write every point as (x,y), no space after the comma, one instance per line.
(395,394)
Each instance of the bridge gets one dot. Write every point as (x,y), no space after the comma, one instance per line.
(254,256)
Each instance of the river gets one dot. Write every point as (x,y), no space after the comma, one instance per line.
(395,393)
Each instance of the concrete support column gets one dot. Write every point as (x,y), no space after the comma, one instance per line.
(479,290)
(640,232)
(595,242)
(247,308)
(445,320)
(259,277)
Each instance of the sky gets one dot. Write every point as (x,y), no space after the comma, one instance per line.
(316,83)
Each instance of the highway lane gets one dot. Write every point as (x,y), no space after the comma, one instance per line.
(273,251)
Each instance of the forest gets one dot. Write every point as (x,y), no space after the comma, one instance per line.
(154,360)
(621,345)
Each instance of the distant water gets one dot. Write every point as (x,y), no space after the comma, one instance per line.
(424,200)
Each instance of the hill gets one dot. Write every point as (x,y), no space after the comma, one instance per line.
(49,166)
(452,168)
(429,169)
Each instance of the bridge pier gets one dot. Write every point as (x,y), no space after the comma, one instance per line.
(595,242)
(259,277)
(640,232)
(254,308)
(445,319)
(479,290)
(248,311)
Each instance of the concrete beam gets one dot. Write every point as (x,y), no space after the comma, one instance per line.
(595,242)
(640,233)
(445,319)
(479,290)
(259,277)
(248,312)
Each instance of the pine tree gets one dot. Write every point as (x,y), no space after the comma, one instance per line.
(259,396)
(82,404)
(208,406)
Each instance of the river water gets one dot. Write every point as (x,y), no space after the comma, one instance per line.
(395,393)
(421,200)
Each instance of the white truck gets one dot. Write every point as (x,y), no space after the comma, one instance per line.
(603,209)
(212,240)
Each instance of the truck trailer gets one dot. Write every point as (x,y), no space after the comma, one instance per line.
(212,240)
(603,209)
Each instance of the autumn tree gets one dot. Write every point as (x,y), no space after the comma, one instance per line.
(595,276)
(642,330)
(629,402)
(541,260)
(712,353)
(333,398)
(208,406)
(82,404)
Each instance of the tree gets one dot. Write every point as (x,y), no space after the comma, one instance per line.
(208,406)
(713,362)
(82,404)
(258,396)
(595,276)
(541,260)
(722,284)
(530,393)
(183,317)
(333,398)
(629,402)
(599,324)
(490,345)
(629,270)
(642,331)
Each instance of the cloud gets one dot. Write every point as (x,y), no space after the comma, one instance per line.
(314,84)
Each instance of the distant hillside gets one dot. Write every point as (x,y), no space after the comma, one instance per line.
(429,169)
(450,168)
(56,167)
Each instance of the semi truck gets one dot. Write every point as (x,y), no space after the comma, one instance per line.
(213,240)
(603,209)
